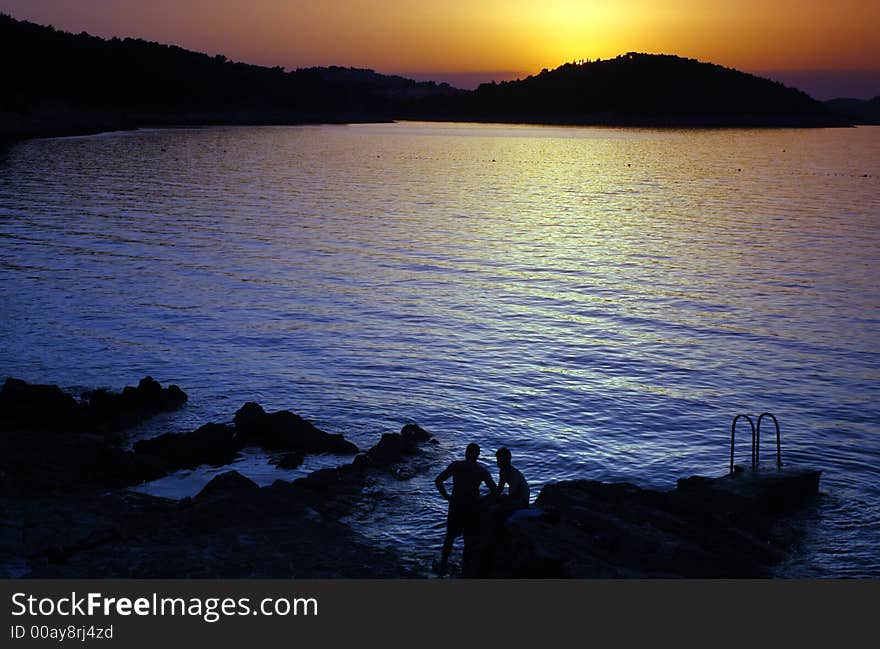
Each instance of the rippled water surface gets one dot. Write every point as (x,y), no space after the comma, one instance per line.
(602,301)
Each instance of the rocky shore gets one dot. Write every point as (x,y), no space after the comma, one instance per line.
(67,510)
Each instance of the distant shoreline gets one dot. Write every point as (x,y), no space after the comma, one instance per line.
(694,122)
(20,128)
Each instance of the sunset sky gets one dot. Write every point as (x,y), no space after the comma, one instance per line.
(826,48)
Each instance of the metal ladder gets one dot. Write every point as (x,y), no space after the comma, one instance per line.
(756,439)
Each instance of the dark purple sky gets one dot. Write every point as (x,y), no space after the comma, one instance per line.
(830,84)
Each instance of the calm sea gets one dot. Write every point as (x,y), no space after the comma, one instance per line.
(602,301)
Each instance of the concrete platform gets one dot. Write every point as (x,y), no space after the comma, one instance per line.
(766,488)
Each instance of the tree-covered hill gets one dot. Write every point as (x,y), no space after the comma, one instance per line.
(655,89)
(53,81)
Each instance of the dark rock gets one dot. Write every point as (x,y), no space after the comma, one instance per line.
(109,412)
(415,432)
(219,444)
(290,460)
(238,532)
(286,431)
(62,553)
(392,447)
(226,485)
(346,478)
(249,417)
(231,528)
(214,444)
(389,456)
(395,447)
(37,459)
(44,408)
(117,468)
(7,485)
(34,465)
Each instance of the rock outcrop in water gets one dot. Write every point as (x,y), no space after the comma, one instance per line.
(393,447)
(48,409)
(286,431)
(51,441)
(396,454)
(232,528)
(219,444)
(214,444)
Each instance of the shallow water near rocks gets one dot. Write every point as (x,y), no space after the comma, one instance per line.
(602,301)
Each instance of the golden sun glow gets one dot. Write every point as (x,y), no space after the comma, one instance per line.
(463,36)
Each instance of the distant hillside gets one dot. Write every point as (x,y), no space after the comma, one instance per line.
(644,89)
(858,111)
(56,82)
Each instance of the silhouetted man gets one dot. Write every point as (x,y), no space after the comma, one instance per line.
(464,504)
(518,489)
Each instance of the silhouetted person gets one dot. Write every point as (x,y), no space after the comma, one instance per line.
(464,504)
(495,539)
(518,489)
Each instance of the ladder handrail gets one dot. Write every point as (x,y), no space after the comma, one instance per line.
(758,439)
(733,435)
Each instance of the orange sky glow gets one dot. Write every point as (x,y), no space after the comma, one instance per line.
(492,38)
